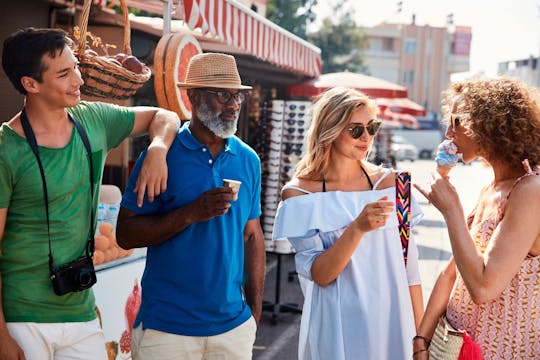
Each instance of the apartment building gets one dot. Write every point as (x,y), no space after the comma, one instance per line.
(421,58)
(525,69)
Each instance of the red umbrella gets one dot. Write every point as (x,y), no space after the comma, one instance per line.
(391,98)
(372,86)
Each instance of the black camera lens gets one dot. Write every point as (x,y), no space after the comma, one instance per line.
(85,278)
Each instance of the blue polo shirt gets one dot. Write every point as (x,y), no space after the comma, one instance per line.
(193,283)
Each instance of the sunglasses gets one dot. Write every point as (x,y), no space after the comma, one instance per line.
(357,130)
(293,114)
(290,137)
(454,121)
(293,107)
(223,97)
(293,121)
(292,130)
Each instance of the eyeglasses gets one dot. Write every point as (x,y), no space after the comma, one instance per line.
(223,97)
(454,121)
(357,130)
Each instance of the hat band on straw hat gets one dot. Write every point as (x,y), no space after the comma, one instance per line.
(212,70)
(225,81)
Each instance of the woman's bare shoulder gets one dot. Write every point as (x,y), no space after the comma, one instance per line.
(376,172)
(308,185)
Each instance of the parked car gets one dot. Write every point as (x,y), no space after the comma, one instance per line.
(426,138)
(402,149)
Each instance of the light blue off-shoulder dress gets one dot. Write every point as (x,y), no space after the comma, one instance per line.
(366,313)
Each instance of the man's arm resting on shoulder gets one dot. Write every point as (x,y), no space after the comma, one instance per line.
(9,349)
(255,266)
(162,127)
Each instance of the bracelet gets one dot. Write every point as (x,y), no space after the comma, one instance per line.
(426,340)
(418,351)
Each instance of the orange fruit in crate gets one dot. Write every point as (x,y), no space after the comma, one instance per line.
(101,242)
(171,60)
(106,229)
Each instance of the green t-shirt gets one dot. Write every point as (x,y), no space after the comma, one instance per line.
(27,293)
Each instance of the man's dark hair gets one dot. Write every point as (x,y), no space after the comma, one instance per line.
(24,50)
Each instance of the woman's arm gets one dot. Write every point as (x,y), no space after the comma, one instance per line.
(486,275)
(436,306)
(417,303)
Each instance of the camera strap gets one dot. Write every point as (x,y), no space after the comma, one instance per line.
(31,138)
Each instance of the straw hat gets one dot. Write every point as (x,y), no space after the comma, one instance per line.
(212,70)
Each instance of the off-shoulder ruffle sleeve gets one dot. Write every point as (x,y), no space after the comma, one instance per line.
(301,215)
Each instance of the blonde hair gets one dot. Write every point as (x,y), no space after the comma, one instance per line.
(501,115)
(331,115)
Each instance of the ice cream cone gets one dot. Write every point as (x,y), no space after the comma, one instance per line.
(444,170)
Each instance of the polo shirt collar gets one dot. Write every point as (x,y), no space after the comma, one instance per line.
(189,141)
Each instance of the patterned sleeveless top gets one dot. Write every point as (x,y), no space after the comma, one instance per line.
(507,327)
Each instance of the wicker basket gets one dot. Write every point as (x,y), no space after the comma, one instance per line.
(103,78)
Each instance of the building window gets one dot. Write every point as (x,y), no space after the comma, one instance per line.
(409,46)
(388,44)
(408,77)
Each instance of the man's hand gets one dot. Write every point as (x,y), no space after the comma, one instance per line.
(152,178)
(9,349)
(212,203)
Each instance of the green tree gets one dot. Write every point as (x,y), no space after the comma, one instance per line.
(342,42)
(292,15)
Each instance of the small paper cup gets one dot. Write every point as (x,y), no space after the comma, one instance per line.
(233,184)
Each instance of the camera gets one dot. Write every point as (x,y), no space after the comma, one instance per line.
(75,276)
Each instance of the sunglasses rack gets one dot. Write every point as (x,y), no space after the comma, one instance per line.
(284,127)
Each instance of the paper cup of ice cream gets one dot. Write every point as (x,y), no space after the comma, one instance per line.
(233,184)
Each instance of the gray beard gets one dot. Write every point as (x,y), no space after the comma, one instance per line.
(212,120)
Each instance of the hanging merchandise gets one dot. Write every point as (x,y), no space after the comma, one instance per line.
(288,122)
(171,60)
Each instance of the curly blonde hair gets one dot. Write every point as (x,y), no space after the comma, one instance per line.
(501,115)
(331,115)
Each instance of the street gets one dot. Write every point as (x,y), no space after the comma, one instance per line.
(278,339)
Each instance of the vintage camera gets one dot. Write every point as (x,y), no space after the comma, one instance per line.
(75,276)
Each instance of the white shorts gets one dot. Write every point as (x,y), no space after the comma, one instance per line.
(57,341)
(235,344)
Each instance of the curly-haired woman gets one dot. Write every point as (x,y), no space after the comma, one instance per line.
(491,286)
(339,212)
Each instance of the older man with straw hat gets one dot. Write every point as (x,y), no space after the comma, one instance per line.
(203,282)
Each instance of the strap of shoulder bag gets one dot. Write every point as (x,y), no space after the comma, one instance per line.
(403,205)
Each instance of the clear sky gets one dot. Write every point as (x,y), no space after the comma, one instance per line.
(502,30)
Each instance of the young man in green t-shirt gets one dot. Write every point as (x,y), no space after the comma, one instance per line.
(35,320)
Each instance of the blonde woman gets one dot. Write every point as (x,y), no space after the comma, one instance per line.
(491,286)
(338,211)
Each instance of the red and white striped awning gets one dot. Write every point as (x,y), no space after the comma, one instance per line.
(243,28)
(236,25)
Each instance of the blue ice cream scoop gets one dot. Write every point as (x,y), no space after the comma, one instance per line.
(446,157)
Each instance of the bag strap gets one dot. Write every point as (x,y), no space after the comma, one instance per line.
(31,138)
(403,205)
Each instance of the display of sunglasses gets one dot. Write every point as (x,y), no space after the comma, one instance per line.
(357,130)
(223,96)
(454,121)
